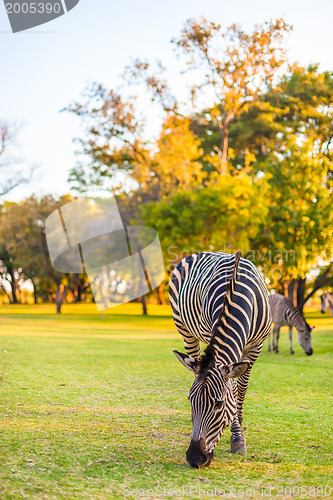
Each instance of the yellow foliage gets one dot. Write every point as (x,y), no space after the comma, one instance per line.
(178,151)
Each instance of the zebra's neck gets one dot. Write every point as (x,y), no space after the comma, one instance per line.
(229,336)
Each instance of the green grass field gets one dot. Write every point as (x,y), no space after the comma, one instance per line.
(94,408)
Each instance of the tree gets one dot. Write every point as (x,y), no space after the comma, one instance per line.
(176,162)
(115,145)
(298,103)
(251,116)
(23,237)
(299,231)
(287,137)
(113,142)
(10,167)
(237,68)
(224,216)
(10,274)
(324,279)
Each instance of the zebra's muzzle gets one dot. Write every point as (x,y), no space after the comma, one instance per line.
(197,456)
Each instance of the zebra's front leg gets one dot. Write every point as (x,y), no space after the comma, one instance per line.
(238,441)
(291,340)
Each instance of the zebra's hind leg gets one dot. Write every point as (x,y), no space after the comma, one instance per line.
(291,340)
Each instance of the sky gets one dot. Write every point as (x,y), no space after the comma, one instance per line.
(46,68)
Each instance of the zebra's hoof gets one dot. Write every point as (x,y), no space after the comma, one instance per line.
(238,447)
(292,352)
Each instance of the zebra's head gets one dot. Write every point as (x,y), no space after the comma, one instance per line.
(213,404)
(304,338)
(324,303)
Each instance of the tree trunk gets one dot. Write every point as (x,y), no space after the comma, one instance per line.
(59,299)
(160,295)
(144,305)
(319,283)
(61,295)
(77,291)
(34,292)
(58,306)
(300,293)
(291,292)
(14,286)
(78,297)
(296,290)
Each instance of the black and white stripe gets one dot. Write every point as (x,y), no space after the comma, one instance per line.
(221,300)
(285,314)
(327,302)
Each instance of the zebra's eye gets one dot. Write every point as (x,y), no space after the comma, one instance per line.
(218,404)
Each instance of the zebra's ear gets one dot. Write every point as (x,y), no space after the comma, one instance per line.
(235,370)
(188,361)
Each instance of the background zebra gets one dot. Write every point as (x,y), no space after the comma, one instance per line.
(327,302)
(221,300)
(285,314)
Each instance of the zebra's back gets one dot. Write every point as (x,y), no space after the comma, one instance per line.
(197,290)
(279,307)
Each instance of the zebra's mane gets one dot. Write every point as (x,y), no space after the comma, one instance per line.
(208,359)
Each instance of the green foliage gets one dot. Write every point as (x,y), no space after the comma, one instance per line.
(222,216)
(300,210)
(286,139)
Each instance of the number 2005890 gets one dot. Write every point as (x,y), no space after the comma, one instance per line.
(302,491)
(33,8)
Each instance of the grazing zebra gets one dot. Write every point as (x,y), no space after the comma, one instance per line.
(221,300)
(285,314)
(327,302)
